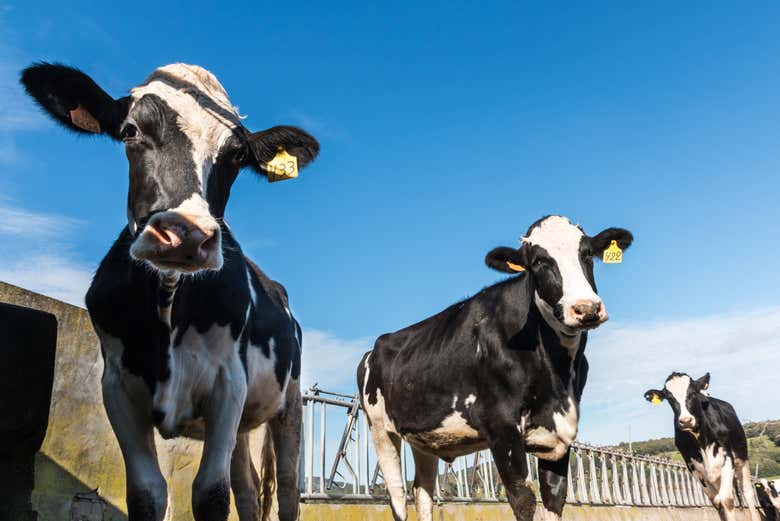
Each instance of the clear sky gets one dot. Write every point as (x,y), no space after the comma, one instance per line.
(446,130)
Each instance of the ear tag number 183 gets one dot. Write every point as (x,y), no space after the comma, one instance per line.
(613,254)
(282,166)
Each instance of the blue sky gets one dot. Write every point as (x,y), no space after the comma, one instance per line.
(446,130)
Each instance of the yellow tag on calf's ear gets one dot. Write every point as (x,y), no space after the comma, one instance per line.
(613,254)
(282,166)
(656,399)
(514,267)
(84,120)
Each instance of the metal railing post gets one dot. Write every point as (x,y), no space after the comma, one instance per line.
(606,496)
(595,497)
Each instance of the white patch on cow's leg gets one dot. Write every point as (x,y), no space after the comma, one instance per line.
(243,480)
(425,470)
(128,405)
(748,492)
(210,493)
(286,431)
(725,496)
(388,451)
(549,516)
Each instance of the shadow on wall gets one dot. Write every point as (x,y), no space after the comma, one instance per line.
(59,495)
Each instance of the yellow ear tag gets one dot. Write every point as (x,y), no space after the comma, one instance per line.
(613,254)
(656,399)
(282,166)
(514,267)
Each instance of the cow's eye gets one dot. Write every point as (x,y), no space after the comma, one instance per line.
(129,132)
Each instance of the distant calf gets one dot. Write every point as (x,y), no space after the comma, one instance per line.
(711,440)
(767,499)
(503,370)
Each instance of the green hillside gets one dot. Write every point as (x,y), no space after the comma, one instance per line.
(763,447)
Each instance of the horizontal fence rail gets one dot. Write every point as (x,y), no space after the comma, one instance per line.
(338,462)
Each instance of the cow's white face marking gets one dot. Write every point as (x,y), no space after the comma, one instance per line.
(678,387)
(205,113)
(561,240)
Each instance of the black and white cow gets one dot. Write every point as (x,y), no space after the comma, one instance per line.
(503,370)
(768,499)
(711,440)
(197,341)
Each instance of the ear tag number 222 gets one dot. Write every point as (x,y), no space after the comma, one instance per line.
(282,166)
(613,254)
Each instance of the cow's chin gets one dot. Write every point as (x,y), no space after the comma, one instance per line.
(572,326)
(174,267)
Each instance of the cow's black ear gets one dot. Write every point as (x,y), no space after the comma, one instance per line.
(505,259)
(265,144)
(654,396)
(703,383)
(74,100)
(601,242)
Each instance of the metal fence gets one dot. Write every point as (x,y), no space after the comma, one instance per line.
(338,462)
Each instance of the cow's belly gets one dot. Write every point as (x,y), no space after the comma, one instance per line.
(549,438)
(453,438)
(710,467)
(194,366)
(265,394)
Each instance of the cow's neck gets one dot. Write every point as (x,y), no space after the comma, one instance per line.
(168,283)
(561,353)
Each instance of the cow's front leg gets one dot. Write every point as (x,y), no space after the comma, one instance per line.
(553,486)
(509,454)
(724,500)
(222,412)
(746,486)
(128,407)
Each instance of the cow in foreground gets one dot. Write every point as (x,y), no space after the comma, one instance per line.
(710,439)
(503,370)
(197,341)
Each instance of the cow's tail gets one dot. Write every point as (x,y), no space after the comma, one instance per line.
(266,488)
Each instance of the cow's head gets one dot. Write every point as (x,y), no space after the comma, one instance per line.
(688,398)
(185,145)
(559,257)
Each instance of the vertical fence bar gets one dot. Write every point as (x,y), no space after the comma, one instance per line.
(627,498)
(635,483)
(606,496)
(322,448)
(310,450)
(655,498)
(664,488)
(595,497)
(302,457)
(616,494)
(582,491)
(643,483)
(356,452)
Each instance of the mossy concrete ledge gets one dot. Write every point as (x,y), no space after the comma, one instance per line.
(328,511)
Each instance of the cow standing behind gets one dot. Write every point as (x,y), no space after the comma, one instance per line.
(196,340)
(711,440)
(502,370)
